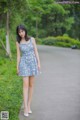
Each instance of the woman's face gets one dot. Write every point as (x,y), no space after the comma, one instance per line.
(21,33)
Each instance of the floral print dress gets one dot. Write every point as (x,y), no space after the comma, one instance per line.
(28,63)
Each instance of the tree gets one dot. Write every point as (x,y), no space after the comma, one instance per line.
(8,8)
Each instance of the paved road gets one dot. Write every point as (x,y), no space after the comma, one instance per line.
(57,90)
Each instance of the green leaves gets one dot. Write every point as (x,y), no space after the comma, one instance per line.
(11,88)
(52,18)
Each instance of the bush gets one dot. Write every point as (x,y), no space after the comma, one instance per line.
(2,34)
(11,88)
(63,41)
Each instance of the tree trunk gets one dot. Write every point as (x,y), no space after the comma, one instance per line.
(8,53)
(36,28)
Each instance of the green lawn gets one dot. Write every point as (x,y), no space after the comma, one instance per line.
(10,84)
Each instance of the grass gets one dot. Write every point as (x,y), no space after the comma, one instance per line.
(10,84)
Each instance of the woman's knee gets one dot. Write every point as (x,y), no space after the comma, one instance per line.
(31,81)
(30,85)
(25,81)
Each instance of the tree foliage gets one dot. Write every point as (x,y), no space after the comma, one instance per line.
(44,17)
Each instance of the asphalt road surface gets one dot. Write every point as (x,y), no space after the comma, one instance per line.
(56,94)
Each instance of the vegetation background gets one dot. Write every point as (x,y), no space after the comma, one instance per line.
(50,22)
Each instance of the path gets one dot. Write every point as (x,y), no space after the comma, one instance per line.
(57,90)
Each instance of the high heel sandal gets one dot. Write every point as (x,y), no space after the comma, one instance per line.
(26,114)
(30,111)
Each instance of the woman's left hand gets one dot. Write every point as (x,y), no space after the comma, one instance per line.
(39,67)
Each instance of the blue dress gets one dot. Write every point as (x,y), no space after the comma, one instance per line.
(28,63)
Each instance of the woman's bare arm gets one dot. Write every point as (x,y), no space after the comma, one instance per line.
(36,51)
(18,54)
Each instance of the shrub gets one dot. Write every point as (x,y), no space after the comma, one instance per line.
(63,41)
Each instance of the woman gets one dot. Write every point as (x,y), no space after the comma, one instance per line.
(28,65)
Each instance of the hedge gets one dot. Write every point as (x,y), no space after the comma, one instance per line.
(63,41)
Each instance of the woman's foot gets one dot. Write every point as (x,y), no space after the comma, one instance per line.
(29,110)
(26,112)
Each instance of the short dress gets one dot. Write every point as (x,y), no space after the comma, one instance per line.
(28,64)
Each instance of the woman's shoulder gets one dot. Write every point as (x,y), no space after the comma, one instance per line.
(33,39)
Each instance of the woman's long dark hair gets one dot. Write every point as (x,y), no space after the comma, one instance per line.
(21,27)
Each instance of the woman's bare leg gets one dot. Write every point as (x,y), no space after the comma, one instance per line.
(31,82)
(25,93)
